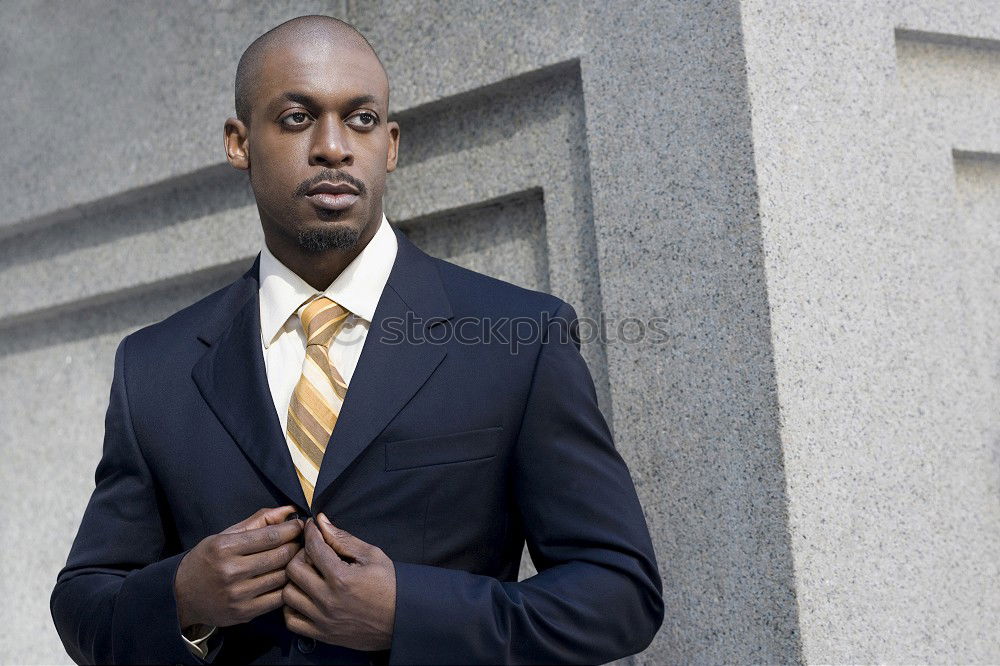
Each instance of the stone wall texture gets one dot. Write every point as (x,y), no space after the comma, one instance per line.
(806,192)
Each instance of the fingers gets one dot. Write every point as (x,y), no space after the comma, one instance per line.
(304,575)
(256,540)
(344,544)
(299,624)
(254,587)
(278,515)
(293,597)
(266,603)
(323,557)
(262,518)
(258,564)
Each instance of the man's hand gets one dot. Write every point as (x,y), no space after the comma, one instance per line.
(341,590)
(234,576)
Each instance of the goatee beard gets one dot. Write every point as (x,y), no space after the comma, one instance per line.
(335,238)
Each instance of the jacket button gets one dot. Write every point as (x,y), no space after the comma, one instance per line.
(306,645)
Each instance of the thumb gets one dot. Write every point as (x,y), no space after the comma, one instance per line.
(262,518)
(346,545)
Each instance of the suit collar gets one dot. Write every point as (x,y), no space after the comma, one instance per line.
(233,298)
(416,280)
(232,378)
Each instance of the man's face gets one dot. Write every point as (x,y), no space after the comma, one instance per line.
(319,113)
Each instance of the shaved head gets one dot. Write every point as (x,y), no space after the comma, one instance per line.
(314,28)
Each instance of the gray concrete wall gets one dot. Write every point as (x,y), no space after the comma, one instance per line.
(877,152)
(807,192)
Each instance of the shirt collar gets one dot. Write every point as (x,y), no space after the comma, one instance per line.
(358,287)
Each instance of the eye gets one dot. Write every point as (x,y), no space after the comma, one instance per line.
(297,118)
(365,119)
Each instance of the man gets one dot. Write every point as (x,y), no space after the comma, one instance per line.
(337,381)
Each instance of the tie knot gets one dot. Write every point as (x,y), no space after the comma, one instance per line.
(321,318)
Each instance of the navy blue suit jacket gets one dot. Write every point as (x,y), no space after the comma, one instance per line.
(452,449)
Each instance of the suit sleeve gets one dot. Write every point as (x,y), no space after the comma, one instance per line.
(113,602)
(597,595)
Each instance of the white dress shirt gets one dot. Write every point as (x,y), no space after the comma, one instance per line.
(282,293)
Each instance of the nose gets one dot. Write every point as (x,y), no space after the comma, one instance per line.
(331,144)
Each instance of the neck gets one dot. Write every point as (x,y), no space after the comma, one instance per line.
(318,269)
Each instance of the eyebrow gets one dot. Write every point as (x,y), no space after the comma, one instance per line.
(308,100)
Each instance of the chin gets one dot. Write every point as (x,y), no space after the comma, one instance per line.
(334,237)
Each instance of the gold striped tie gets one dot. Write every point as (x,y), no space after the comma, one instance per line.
(316,400)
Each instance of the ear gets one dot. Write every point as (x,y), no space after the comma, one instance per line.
(237,139)
(390,160)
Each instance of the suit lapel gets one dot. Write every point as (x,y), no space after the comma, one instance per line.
(232,378)
(392,366)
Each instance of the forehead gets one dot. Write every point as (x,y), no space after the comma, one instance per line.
(326,69)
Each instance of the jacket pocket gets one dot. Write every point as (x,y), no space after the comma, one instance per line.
(442,449)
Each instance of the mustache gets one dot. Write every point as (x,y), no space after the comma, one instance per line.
(334,176)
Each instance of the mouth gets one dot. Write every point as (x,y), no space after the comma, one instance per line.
(333,196)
